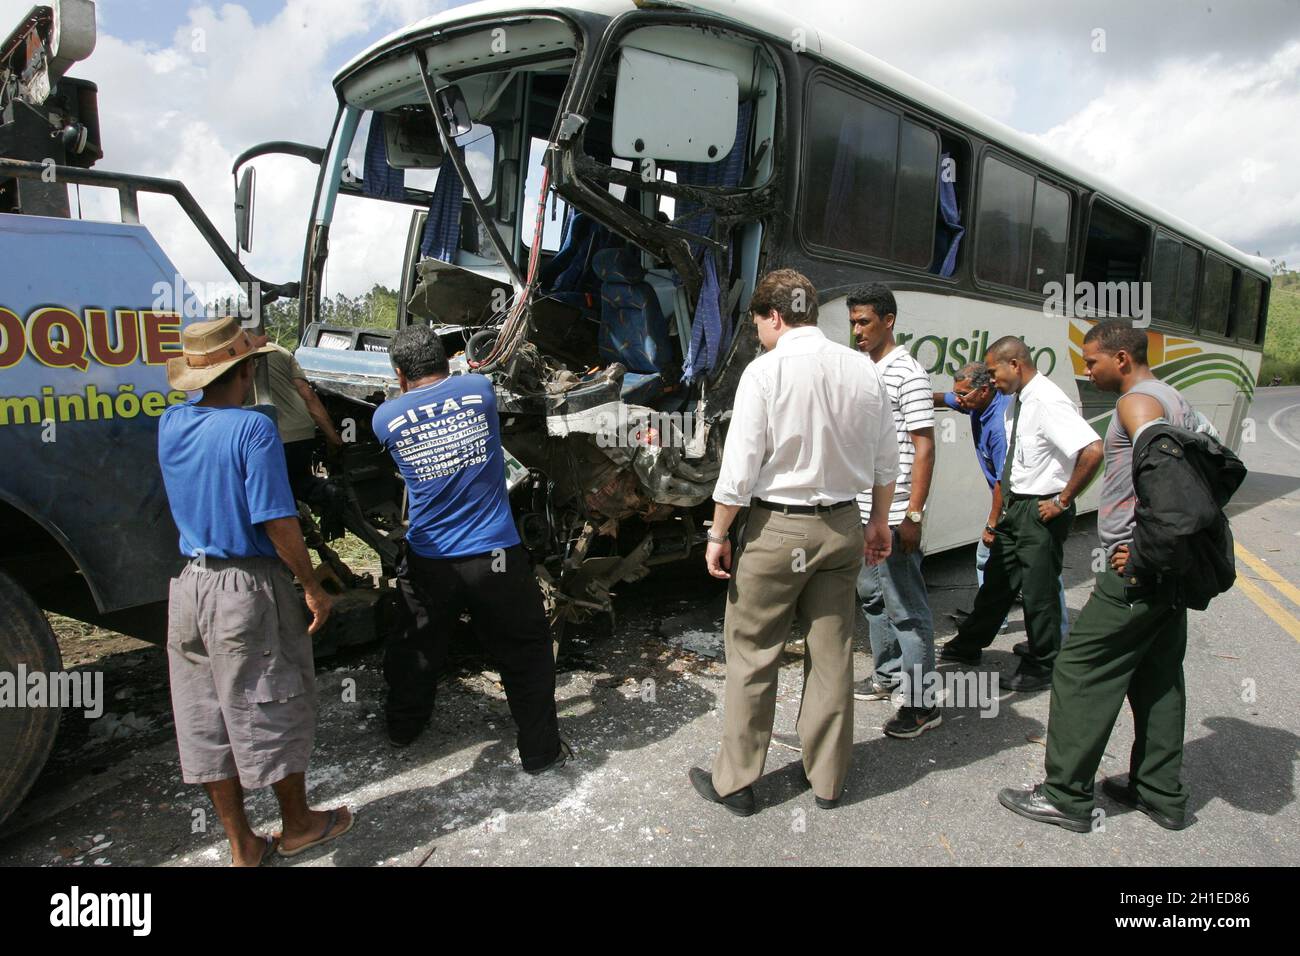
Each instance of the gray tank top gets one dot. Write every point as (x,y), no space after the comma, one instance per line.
(1115,513)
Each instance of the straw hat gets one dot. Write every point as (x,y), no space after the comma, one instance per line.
(207,350)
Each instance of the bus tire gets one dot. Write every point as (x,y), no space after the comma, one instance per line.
(26,733)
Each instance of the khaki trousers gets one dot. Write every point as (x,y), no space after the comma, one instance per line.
(786,564)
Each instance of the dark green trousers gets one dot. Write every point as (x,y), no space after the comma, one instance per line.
(1124,643)
(1025,558)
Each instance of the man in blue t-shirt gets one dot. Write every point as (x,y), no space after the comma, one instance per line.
(974,394)
(461,551)
(239,657)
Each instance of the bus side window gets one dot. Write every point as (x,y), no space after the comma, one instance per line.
(1216,296)
(1116,248)
(1023,228)
(1248,308)
(1174,268)
(871,179)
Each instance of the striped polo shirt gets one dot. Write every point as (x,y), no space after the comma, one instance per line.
(912,401)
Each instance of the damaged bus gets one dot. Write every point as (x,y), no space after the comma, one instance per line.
(615,351)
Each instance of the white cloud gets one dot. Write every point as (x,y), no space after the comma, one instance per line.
(1211,142)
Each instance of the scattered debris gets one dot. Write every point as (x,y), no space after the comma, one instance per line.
(943,840)
(118,727)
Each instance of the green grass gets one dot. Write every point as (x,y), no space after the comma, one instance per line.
(1282,336)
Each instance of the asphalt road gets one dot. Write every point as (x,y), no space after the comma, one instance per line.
(640,710)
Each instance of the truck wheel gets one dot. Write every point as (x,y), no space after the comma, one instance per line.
(26,733)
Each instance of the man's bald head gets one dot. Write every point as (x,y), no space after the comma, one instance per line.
(1011,363)
(1009,347)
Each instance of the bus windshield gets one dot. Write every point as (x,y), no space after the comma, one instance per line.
(623,169)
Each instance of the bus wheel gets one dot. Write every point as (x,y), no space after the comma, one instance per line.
(26,733)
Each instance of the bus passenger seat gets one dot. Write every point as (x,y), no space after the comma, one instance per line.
(633,329)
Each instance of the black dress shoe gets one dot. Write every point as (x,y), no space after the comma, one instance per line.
(1123,793)
(953,652)
(741,803)
(404,733)
(1025,681)
(1035,806)
(822,802)
(561,758)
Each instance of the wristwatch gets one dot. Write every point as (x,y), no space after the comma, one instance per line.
(914,517)
(715,539)
(1056,500)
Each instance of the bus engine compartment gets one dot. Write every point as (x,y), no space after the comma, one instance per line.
(614,357)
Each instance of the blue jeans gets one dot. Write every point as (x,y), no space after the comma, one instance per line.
(982,558)
(901,627)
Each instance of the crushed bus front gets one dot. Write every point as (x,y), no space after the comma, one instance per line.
(615,354)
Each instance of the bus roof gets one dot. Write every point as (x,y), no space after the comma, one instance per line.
(779,25)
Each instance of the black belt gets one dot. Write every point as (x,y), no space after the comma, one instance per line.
(1016,497)
(803,509)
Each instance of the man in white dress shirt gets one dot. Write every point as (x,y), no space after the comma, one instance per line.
(1052,455)
(811,426)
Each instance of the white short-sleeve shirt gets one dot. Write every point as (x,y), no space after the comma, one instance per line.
(911,400)
(1049,437)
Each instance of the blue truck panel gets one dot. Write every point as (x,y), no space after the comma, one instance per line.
(89,314)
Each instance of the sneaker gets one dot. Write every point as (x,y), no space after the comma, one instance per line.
(912,722)
(871,689)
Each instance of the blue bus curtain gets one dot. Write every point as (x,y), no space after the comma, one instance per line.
(947,238)
(381,181)
(442,229)
(711,329)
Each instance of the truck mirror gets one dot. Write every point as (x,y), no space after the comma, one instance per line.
(454,109)
(244,209)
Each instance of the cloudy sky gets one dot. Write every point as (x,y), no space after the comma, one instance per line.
(1192,105)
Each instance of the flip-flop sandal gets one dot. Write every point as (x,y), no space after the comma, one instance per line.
(268,852)
(325,836)
(272,843)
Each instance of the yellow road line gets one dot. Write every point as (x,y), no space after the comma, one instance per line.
(1269,606)
(1287,589)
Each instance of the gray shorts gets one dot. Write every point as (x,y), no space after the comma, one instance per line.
(242,680)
